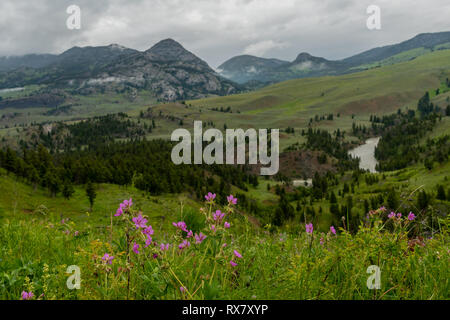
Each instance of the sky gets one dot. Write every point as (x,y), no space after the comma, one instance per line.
(216,30)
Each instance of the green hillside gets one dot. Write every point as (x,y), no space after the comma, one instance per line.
(293,103)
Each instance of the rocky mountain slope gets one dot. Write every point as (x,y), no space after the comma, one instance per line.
(167,69)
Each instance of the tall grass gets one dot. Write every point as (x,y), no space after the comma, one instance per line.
(36,253)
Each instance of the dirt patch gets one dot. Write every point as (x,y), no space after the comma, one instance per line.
(301,164)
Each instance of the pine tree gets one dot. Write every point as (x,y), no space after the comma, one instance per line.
(68,190)
(91,194)
(441,193)
(423,200)
(392,199)
(333,198)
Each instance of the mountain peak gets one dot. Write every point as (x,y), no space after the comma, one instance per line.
(169,50)
(304,56)
(166,44)
(116,46)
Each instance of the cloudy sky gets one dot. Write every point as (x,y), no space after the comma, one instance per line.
(216,30)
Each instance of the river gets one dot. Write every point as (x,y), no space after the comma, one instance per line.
(366,153)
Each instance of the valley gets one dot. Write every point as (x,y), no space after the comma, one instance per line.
(364,162)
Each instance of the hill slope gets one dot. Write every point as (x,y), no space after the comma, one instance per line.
(294,102)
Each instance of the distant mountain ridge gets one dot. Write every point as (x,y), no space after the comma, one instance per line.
(306,65)
(173,73)
(26,61)
(425,40)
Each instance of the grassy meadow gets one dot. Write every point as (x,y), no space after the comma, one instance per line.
(236,261)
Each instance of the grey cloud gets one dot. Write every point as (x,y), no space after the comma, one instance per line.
(218,29)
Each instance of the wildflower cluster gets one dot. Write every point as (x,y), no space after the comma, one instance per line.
(143,243)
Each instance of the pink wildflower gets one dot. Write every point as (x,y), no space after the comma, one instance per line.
(411,216)
(107,258)
(136,248)
(184,244)
(333,230)
(164,247)
(309,228)
(233,264)
(237,254)
(199,238)
(180,225)
(227,225)
(27,295)
(218,216)
(232,200)
(391,215)
(148,231)
(119,212)
(128,203)
(124,206)
(140,222)
(210,197)
(148,241)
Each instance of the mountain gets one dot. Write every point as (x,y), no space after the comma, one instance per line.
(173,73)
(71,66)
(245,68)
(79,63)
(424,40)
(26,61)
(167,69)
(170,51)
(306,64)
(242,69)
(170,71)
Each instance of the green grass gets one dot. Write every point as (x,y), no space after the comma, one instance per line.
(19,201)
(35,255)
(401,57)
